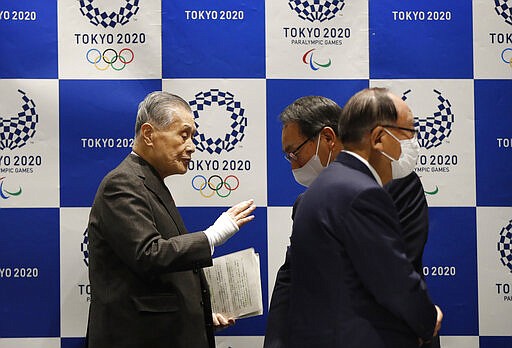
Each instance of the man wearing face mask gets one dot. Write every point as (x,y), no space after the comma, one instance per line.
(352,283)
(310,143)
(315,115)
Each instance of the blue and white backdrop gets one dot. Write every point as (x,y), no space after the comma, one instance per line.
(73,73)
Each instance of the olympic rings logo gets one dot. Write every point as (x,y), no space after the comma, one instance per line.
(507,60)
(110,58)
(215,185)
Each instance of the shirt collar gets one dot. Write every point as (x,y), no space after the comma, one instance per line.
(372,170)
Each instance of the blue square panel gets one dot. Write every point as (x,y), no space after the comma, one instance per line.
(252,235)
(72,342)
(282,187)
(28,39)
(450,268)
(421,39)
(29,273)
(493,142)
(97,122)
(495,342)
(210,38)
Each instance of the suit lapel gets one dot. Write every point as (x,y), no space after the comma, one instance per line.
(156,185)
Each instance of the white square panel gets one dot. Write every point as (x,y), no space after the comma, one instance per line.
(29,143)
(110,39)
(229,164)
(494,233)
(459,341)
(279,220)
(239,341)
(443,111)
(492,39)
(74,276)
(29,342)
(325,40)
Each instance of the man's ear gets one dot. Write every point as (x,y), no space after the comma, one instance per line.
(376,138)
(147,132)
(329,135)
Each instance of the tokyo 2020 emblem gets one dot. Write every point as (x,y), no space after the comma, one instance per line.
(504,9)
(234,115)
(316,10)
(16,130)
(109,20)
(436,127)
(505,246)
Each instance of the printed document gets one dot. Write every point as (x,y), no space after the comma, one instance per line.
(235,284)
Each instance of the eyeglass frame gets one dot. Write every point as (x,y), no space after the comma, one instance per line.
(414,131)
(292,155)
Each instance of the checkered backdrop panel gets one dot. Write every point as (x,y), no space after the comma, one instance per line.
(73,72)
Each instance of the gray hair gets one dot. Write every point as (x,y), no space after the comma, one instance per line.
(312,114)
(364,111)
(158,109)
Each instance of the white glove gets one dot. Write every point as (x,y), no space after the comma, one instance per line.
(222,229)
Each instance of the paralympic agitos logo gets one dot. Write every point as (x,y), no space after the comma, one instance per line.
(6,193)
(109,19)
(315,64)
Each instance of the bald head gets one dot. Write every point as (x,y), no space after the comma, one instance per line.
(364,111)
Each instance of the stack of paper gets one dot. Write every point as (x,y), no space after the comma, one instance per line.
(235,284)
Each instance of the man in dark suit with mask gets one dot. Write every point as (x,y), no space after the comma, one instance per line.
(302,120)
(148,288)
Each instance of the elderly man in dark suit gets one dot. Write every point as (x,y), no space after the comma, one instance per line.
(148,288)
(352,285)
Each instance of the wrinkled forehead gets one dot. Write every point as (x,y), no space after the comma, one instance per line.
(183,115)
(182,118)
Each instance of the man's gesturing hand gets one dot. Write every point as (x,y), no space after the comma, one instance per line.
(240,213)
(230,222)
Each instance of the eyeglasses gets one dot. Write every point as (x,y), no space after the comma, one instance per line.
(414,131)
(292,156)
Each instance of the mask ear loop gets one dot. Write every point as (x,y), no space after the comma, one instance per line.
(394,137)
(388,156)
(318,144)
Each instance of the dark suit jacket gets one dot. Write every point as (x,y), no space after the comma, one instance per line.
(147,286)
(352,284)
(276,335)
(411,204)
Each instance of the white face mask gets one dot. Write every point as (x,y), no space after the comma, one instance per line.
(404,165)
(306,174)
